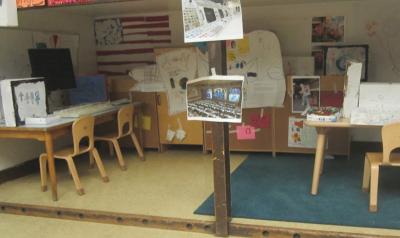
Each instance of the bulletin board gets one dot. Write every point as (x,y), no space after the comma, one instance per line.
(275,137)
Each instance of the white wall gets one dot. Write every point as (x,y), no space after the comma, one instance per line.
(14,152)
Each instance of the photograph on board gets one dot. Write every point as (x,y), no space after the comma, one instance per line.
(215,98)
(212,20)
(305,93)
(328,29)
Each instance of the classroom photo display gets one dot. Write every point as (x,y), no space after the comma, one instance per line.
(305,93)
(212,20)
(215,98)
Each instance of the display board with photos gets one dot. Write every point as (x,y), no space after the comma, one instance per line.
(215,98)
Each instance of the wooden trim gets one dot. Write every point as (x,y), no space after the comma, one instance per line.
(168,223)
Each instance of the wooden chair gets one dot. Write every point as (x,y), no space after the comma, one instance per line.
(125,128)
(390,141)
(82,128)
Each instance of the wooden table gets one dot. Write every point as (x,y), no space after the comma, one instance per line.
(47,134)
(322,130)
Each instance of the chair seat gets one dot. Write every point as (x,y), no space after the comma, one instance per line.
(62,154)
(377,158)
(108,137)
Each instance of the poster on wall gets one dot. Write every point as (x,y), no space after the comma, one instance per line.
(176,67)
(210,20)
(215,98)
(328,29)
(300,135)
(56,40)
(67,2)
(337,58)
(30,3)
(258,58)
(127,42)
(305,93)
(8,13)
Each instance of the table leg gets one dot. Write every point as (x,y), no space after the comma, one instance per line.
(52,169)
(319,156)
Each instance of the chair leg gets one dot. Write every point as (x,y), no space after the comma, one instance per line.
(367,175)
(91,161)
(137,146)
(119,155)
(111,148)
(373,196)
(75,176)
(100,165)
(43,172)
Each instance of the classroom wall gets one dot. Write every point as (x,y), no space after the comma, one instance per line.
(14,152)
(292,25)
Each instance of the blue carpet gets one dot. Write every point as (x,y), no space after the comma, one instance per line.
(279,189)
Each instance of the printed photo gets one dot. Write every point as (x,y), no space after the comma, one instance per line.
(215,98)
(305,93)
(328,29)
(337,58)
(319,60)
(212,20)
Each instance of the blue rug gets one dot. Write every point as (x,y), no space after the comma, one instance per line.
(279,189)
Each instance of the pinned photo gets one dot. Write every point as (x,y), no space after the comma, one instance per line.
(215,98)
(212,20)
(305,93)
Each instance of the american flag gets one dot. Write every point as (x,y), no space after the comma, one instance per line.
(129,41)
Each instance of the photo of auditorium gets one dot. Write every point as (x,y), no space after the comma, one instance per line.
(215,100)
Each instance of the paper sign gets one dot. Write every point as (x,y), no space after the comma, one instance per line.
(170,135)
(245,133)
(146,123)
(8,13)
(300,135)
(180,135)
(258,121)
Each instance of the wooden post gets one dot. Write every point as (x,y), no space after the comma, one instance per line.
(220,135)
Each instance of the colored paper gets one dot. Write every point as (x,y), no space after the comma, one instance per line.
(245,132)
(89,89)
(331,99)
(67,2)
(258,121)
(146,123)
(300,135)
(30,3)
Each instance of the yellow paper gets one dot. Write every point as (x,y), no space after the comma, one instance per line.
(243,46)
(146,123)
(231,56)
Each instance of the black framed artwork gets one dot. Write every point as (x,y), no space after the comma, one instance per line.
(337,57)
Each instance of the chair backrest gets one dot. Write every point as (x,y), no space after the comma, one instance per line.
(390,140)
(125,120)
(83,128)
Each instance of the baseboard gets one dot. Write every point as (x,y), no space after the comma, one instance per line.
(21,170)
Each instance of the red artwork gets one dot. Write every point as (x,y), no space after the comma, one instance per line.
(30,3)
(67,2)
(260,121)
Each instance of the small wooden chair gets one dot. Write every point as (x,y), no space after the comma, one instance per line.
(390,141)
(82,128)
(125,128)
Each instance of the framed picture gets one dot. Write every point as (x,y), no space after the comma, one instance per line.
(337,58)
(305,93)
(215,98)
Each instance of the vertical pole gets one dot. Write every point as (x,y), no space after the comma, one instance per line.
(221,160)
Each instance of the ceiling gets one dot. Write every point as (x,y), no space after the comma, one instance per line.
(143,6)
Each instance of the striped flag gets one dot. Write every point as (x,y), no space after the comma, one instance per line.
(129,41)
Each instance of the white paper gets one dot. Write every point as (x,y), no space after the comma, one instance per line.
(180,134)
(300,135)
(261,64)
(206,20)
(176,68)
(31,100)
(352,89)
(380,95)
(8,13)
(299,65)
(375,116)
(170,135)
(147,79)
